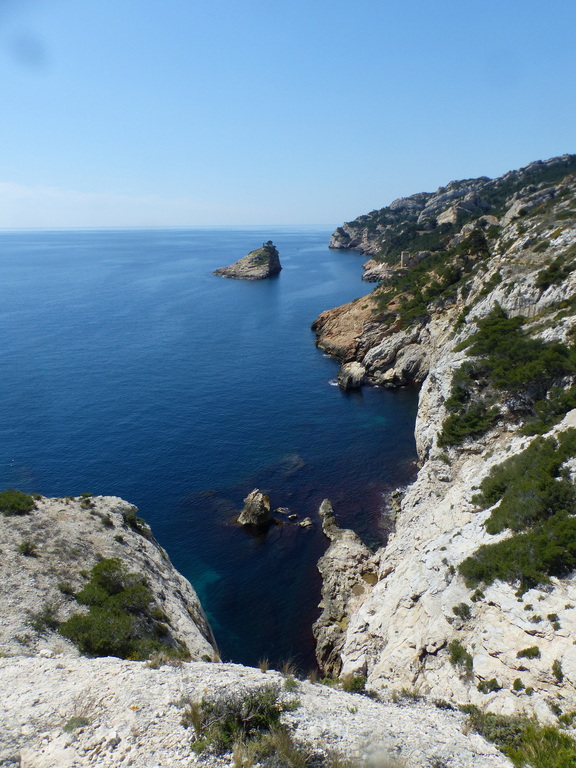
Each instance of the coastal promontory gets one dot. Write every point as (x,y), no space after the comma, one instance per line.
(259,264)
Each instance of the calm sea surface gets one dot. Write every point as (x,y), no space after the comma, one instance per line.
(130,370)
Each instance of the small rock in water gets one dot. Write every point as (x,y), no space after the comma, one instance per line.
(257,265)
(306,523)
(256,510)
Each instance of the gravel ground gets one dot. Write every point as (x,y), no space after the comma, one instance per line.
(134,712)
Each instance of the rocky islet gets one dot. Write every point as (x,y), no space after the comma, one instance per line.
(259,264)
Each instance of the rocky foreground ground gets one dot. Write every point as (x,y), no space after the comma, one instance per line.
(130,715)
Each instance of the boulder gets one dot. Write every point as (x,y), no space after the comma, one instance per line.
(257,265)
(375,271)
(256,510)
(351,376)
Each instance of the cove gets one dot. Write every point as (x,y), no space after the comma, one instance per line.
(131,370)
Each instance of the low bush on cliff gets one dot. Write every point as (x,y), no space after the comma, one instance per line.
(14,502)
(505,360)
(537,502)
(524,741)
(245,722)
(460,657)
(556,272)
(122,618)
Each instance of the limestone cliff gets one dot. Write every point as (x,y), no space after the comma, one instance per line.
(476,256)
(257,265)
(46,558)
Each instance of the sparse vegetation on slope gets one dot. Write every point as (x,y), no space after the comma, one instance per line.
(122,619)
(506,360)
(538,502)
(523,740)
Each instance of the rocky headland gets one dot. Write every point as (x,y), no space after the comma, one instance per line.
(474,595)
(257,265)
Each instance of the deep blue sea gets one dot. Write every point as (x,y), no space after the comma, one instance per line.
(130,370)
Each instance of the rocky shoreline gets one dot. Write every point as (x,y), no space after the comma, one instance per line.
(400,632)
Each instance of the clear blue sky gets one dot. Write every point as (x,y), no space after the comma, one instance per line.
(177,113)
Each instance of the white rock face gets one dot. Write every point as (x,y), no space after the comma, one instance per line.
(70,536)
(351,376)
(132,717)
(397,632)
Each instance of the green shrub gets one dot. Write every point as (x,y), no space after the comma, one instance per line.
(523,741)
(533,652)
(518,685)
(462,610)
(291,685)
(132,520)
(230,718)
(460,657)
(354,683)
(14,502)
(541,246)
(75,722)
(555,273)
(122,619)
(557,670)
(489,686)
(28,548)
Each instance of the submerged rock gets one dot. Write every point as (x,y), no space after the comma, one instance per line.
(256,510)
(257,265)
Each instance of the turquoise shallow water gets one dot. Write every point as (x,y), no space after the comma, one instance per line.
(129,369)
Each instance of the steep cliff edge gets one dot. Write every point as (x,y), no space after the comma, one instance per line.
(475,595)
(93,556)
(47,557)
